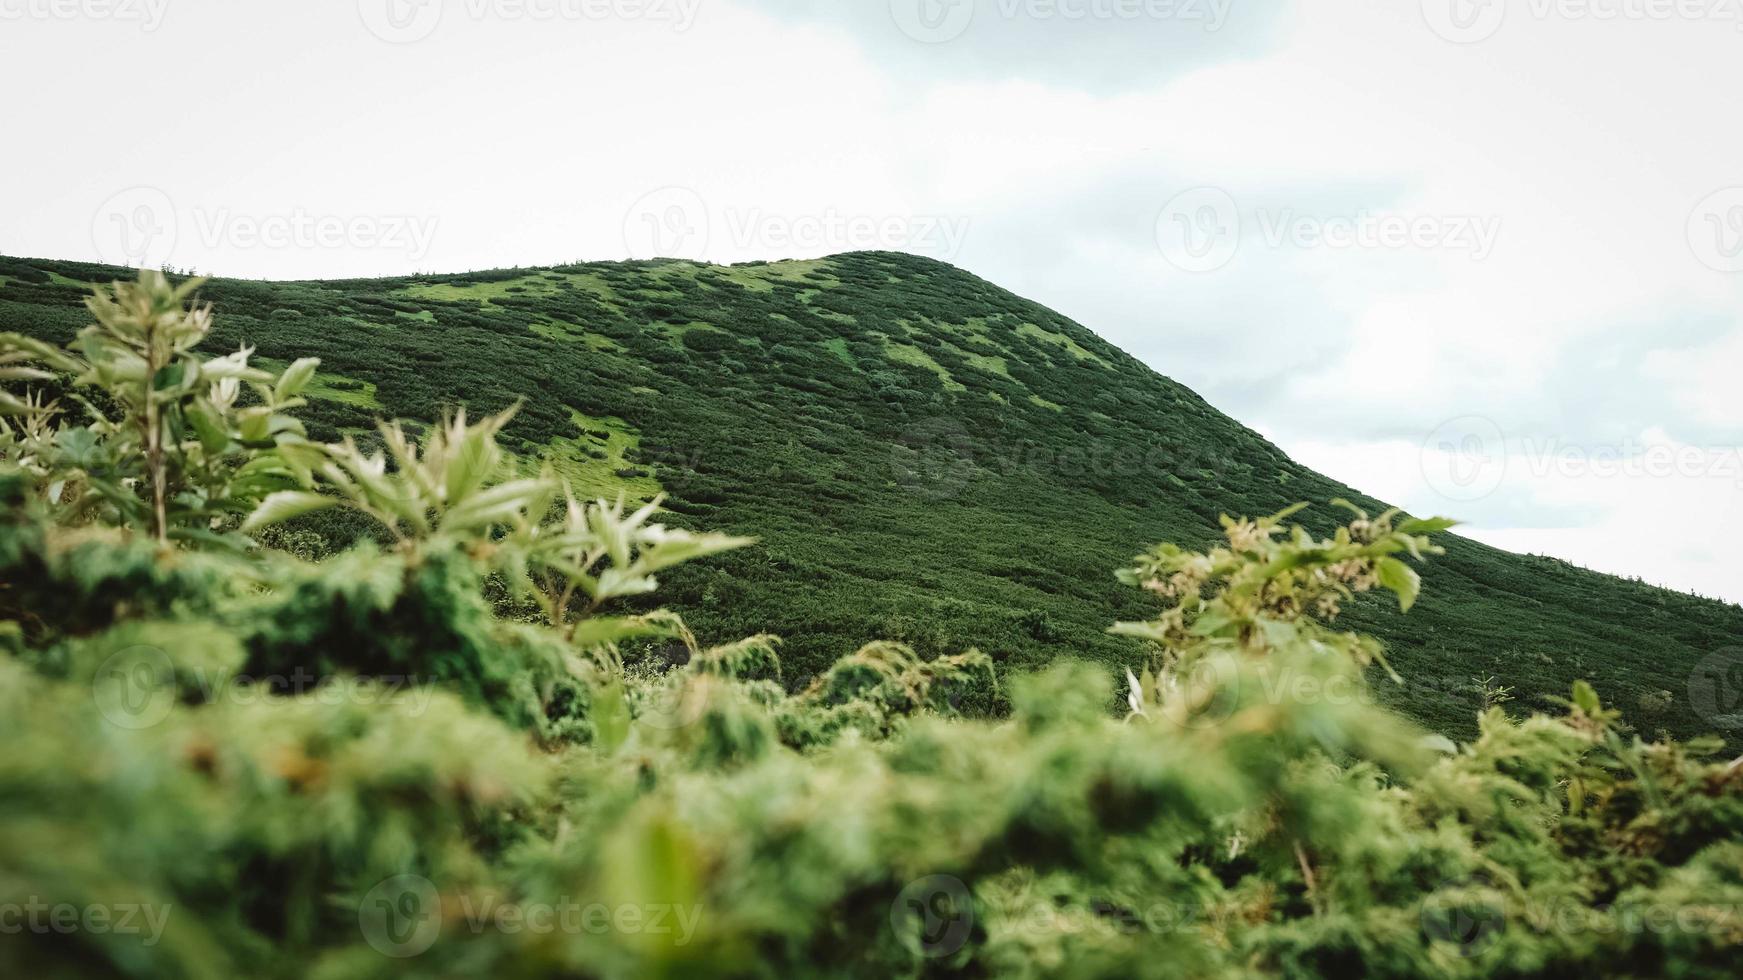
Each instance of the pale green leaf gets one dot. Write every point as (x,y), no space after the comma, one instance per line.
(284,505)
(1401,579)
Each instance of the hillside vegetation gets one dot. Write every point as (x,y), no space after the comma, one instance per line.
(925,458)
(435,752)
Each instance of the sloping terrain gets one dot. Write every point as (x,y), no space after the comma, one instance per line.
(925,457)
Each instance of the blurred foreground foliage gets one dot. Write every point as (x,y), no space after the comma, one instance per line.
(463,748)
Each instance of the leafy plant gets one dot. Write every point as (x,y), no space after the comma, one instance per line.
(1006,474)
(358,767)
(174,444)
(445,490)
(1261,595)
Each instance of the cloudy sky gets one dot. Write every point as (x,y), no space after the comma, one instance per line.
(1482,258)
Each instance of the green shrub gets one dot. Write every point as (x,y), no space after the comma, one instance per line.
(360,767)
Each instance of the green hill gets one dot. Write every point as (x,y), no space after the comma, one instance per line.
(925,457)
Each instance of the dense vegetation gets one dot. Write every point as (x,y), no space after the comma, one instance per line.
(925,457)
(430,755)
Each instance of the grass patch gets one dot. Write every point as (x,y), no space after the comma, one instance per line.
(909,354)
(838,347)
(595,460)
(330,387)
(1060,340)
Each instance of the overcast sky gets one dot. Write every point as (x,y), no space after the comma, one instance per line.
(1480,258)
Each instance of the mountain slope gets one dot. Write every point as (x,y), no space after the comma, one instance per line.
(926,457)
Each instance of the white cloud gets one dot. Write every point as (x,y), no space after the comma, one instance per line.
(1703,381)
(1053,147)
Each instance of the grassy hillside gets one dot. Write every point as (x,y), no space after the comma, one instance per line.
(925,457)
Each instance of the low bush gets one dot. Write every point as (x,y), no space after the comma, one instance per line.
(227,759)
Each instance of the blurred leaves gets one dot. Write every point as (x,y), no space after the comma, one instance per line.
(262,744)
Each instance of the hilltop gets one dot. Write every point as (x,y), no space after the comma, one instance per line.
(925,456)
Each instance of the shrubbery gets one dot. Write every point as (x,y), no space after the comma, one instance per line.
(264,765)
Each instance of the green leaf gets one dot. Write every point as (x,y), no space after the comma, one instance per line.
(474,460)
(497,505)
(1278,634)
(284,505)
(1143,631)
(1438,743)
(24,374)
(1287,512)
(610,716)
(1400,578)
(602,630)
(208,425)
(678,547)
(79,446)
(615,582)
(1427,525)
(169,376)
(1211,623)
(295,378)
(1352,508)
